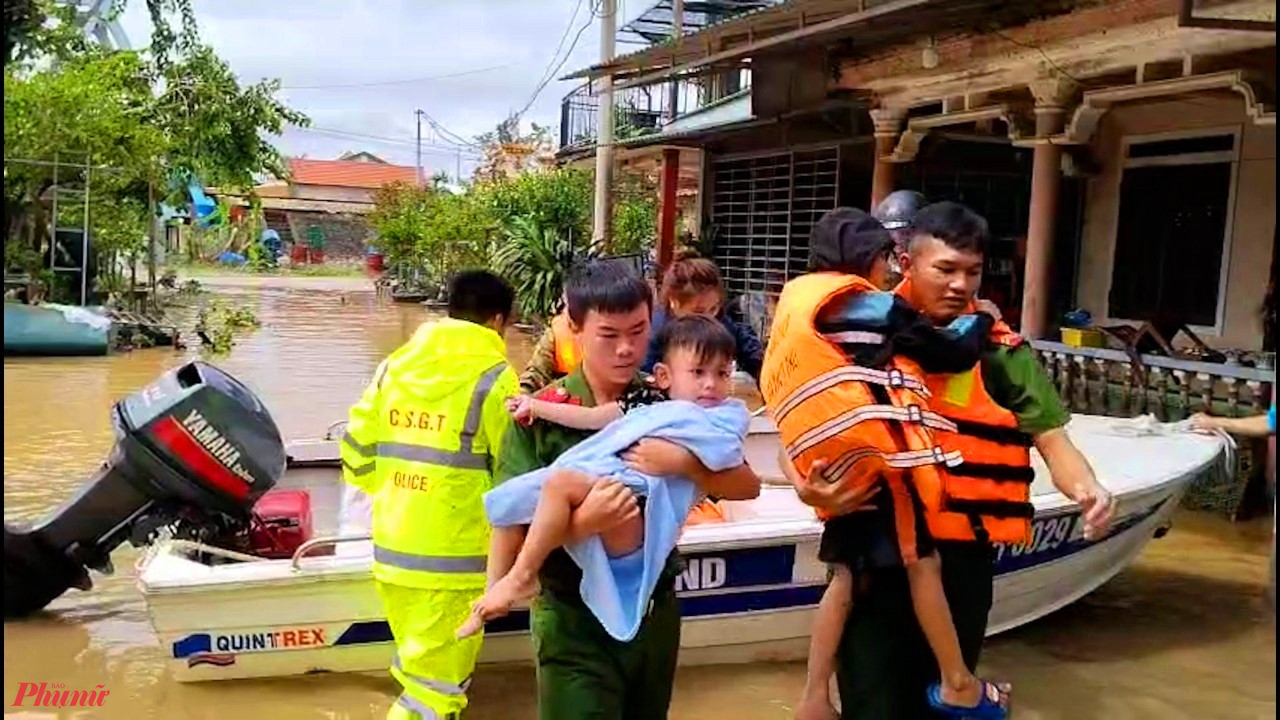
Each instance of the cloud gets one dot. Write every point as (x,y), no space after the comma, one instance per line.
(361,43)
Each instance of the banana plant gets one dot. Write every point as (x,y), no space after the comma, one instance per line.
(535,258)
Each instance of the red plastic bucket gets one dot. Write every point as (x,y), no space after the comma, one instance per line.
(298,254)
(317,256)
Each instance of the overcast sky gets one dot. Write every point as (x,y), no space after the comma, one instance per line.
(503,46)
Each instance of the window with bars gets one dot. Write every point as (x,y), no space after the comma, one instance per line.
(1172,232)
(762,209)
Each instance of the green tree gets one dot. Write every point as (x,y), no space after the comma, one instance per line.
(559,199)
(21,18)
(153,120)
(401,215)
(213,128)
(432,230)
(635,214)
(90,108)
(458,235)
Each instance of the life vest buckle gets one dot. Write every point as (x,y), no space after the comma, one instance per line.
(897,379)
(915,414)
(939,455)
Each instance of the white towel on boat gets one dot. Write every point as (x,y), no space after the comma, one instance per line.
(1148,425)
(355,519)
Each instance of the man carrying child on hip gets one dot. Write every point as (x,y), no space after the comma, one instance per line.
(871,394)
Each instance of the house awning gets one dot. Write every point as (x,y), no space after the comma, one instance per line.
(867,23)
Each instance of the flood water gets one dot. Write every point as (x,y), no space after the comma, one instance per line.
(1185,633)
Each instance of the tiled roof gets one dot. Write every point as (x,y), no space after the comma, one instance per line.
(342,173)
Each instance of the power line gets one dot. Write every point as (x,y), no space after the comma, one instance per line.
(568,28)
(546,80)
(446,134)
(408,81)
(440,149)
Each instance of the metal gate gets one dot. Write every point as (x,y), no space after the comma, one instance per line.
(761,211)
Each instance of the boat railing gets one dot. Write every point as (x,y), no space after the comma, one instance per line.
(1105,381)
(305,548)
(335,430)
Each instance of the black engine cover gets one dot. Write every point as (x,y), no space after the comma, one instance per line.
(195,447)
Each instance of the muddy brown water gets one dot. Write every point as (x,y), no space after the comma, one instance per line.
(1185,633)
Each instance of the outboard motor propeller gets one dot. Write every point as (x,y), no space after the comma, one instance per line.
(194,451)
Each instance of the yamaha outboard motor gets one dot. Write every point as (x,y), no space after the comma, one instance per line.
(194,451)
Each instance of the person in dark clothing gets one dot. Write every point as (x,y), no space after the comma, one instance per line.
(692,286)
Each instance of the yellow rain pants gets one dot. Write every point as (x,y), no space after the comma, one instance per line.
(433,667)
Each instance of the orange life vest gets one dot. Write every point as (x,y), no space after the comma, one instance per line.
(567,352)
(705,513)
(989,492)
(870,424)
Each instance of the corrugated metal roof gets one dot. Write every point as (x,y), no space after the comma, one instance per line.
(869,22)
(667,50)
(656,23)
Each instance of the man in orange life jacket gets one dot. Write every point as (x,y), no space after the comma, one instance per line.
(884,664)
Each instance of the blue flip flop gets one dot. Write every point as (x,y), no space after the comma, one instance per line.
(986,709)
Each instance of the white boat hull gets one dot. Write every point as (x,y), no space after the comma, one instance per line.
(747,594)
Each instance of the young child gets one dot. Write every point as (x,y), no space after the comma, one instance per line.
(696,366)
(859,247)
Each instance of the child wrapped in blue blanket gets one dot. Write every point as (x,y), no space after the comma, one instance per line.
(688,405)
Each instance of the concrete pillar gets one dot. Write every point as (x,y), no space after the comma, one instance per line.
(1051,97)
(667,210)
(888,124)
(602,217)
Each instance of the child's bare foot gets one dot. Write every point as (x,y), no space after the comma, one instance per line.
(962,692)
(498,601)
(816,706)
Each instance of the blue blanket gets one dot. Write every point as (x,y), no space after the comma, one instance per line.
(617,591)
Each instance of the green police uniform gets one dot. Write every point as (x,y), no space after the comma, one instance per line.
(583,672)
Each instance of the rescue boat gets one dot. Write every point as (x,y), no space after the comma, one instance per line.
(747,593)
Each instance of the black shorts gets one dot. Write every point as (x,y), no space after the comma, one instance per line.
(884,664)
(868,540)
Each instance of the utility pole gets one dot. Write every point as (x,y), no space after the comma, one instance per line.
(603,225)
(677,32)
(417,114)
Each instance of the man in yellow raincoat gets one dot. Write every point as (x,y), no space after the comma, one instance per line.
(421,443)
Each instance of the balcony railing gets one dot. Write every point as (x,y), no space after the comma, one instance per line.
(646,110)
(1100,381)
